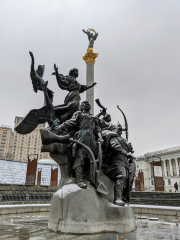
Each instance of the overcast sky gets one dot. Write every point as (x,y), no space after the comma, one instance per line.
(138,67)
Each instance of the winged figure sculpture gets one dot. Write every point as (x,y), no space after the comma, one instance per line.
(49,113)
(36,77)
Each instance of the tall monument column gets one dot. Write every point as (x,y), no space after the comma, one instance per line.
(89,58)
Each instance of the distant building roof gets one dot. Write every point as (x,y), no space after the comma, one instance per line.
(159,153)
(14,173)
(5,126)
(47,161)
(18,119)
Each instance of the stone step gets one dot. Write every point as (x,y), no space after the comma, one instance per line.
(163,195)
(24,208)
(158,202)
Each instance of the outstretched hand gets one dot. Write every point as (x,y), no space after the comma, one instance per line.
(31,54)
(94,84)
(56,70)
(103,112)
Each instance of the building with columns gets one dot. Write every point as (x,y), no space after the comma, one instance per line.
(170,162)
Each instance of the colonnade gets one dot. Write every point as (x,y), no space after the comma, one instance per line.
(169,170)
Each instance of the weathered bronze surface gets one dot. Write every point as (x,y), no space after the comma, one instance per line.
(87,147)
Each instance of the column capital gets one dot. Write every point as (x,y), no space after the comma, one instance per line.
(90,56)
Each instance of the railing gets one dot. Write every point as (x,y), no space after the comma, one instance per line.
(26,197)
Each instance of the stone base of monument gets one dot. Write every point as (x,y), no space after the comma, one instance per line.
(83,211)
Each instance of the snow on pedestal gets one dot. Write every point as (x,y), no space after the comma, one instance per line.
(76,210)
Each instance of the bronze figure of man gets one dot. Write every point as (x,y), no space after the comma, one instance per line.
(87,132)
(119,160)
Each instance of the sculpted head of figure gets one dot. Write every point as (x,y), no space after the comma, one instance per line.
(85,106)
(40,70)
(118,128)
(107,118)
(74,72)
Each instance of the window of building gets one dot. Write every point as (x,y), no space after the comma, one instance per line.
(137,166)
(152,182)
(169,182)
(173,173)
(167,173)
(164,182)
(172,163)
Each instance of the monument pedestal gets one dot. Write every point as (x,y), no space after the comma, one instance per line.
(84,211)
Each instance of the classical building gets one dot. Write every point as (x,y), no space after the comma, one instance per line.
(17,147)
(170,162)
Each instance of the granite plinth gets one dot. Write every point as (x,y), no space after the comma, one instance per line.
(83,211)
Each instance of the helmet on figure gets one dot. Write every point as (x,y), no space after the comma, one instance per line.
(118,128)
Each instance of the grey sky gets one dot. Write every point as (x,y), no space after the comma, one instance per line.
(137,67)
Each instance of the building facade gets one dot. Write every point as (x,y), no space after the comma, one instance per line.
(17,147)
(5,137)
(170,162)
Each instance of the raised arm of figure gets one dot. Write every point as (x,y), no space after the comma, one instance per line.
(60,78)
(86,87)
(84,31)
(102,113)
(70,124)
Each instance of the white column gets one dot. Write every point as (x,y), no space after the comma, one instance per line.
(89,82)
(165,170)
(89,58)
(177,167)
(149,169)
(170,165)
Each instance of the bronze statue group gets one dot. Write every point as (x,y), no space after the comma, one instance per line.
(85,135)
